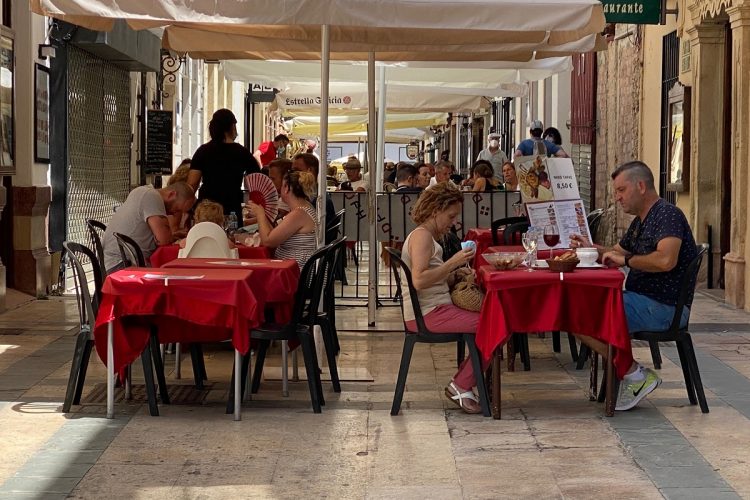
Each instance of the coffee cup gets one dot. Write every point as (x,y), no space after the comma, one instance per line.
(587,255)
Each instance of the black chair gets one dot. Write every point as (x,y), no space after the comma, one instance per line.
(424,335)
(130,253)
(681,336)
(96,233)
(329,305)
(132,256)
(505,221)
(300,328)
(514,231)
(326,318)
(88,306)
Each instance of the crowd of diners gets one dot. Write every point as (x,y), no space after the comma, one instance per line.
(657,247)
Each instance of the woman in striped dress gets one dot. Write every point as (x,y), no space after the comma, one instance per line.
(295,236)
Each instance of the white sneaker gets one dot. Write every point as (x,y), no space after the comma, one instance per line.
(632,392)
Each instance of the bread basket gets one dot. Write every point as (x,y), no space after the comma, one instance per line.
(562,266)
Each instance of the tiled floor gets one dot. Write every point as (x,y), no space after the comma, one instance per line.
(551,443)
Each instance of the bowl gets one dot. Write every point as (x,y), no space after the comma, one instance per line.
(588,256)
(562,266)
(504,260)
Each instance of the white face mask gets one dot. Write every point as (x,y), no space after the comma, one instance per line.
(494,143)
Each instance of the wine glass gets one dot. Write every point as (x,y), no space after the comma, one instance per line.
(551,236)
(528,240)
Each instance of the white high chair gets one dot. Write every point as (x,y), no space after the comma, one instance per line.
(207,239)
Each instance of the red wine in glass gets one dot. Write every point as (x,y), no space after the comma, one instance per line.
(551,239)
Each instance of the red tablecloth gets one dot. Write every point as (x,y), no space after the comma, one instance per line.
(588,302)
(217,307)
(274,282)
(168,253)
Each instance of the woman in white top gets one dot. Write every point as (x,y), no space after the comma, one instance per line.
(435,213)
(294,237)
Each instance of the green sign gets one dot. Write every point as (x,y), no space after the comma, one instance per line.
(632,11)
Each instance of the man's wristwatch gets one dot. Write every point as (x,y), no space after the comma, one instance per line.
(627,260)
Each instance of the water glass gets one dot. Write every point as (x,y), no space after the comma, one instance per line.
(529,241)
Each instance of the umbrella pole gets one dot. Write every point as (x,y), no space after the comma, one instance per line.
(381,126)
(325,56)
(372,280)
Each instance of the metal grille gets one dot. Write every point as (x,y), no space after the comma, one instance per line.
(670,55)
(99,138)
(581,156)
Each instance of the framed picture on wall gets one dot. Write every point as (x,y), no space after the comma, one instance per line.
(7,141)
(41,114)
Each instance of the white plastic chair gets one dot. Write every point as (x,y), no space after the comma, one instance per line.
(207,239)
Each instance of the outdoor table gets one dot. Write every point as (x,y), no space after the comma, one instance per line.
(168,253)
(274,281)
(218,306)
(585,301)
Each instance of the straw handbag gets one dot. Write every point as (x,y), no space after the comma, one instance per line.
(467,295)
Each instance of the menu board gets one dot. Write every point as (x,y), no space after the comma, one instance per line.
(568,215)
(158,142)
(543,179)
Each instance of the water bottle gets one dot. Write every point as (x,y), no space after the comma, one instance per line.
(232,224)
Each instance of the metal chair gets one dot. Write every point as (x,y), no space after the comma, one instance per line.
(505,221)
(424,335)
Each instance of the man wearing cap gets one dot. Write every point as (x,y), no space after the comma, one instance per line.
(527,147)
(355,182)
(494,155)
(270,150)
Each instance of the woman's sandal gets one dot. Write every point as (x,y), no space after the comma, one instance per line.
(467,401)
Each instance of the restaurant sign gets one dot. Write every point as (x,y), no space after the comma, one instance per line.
(632,11)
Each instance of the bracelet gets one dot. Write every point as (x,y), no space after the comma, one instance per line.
(627,260)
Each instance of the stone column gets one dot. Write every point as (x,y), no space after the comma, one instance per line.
(31,260)
(736,272)
(708,136)
(3,201)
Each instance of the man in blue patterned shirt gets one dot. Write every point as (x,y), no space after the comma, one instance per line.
(657,247)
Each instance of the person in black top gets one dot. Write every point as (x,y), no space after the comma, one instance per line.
(406,177)
(221,164)
(658,248)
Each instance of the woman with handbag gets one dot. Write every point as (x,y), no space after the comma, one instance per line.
(435,212)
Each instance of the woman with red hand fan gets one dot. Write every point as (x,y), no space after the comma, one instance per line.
(221,164)
(294,237)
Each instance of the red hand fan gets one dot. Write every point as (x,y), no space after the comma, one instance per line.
(261,191)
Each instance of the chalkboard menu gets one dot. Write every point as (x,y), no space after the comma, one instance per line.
(158,142)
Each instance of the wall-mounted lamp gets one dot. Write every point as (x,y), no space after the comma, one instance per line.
(46,51)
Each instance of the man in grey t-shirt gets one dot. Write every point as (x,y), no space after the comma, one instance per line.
(143,217)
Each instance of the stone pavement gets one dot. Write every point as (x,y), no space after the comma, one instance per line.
(551,443)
